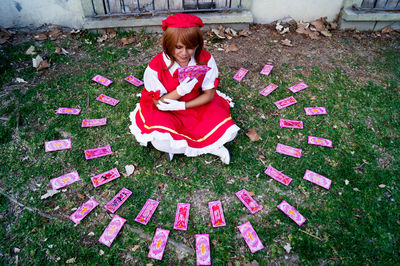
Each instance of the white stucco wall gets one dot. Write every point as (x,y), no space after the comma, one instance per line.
(267,11)
(35,13)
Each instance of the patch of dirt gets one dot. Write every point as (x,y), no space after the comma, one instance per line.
(386,157)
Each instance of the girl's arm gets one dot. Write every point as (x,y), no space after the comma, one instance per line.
(202,99)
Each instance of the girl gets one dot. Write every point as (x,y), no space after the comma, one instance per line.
(191,117)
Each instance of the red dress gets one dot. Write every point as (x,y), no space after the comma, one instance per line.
(193,131)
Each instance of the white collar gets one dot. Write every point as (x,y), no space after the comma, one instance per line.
(175,66)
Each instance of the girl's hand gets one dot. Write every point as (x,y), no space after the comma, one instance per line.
(186,86)
(171,105)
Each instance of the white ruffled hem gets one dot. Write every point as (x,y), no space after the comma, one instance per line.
(178,146)
(226,97)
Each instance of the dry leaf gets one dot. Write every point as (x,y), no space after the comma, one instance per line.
(217,33)
(231,48)
(20,80)
(319,24)
(4,35)
(356,36)
(326,33)
(71,260)
(50,193)
(245,33)
(44,64)
(54,34)
(313,98)
(36,61)
(40,37)
(253,135)
(31,50)
(111,33)
(231,32)
(129,169)
(386,29)
(251,193)
(246,178)
(81,196)
(287,42)
(126,41)
(58,50)
(135,248)
(314,35)
(333,25)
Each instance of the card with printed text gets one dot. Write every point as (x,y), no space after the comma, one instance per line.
(267,90)
(298,87)
(251,237)
(285,102)
(192,72)
(317,179)
(147,211)
(68,111)
(158,244)
(216,213)
(135,81)
(105,177)
(290,123)
(291,212)
(98,152)
(83,211)
(182,216)
(287,150)
(315,110)
(94,122)
(112,230)
(320,141)
(102,80)
(203,254)
(57,145)
(119,199)
(267,69)
(248,201)
(278,176)
(107,99)
(64,180)
(240,74)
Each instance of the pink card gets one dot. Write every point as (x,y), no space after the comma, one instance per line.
(287,150)
(248,201)
(83,210)
(158,245)
(267,90)
(64,180)
(216,213)
(315,110)
(240,74)
(57,145)
(68,111)
(298,87)
(107,99)
(192,72)
(105,177)
(94,122)
(102,80)
(278,176)
(291,123)
(147,211)
(251,237)
(285,102)
(203,254)
(182,216)
(319,141)
(98,152)
(119,199)
(267,69)
(292,213)
(112,230)
(135,81)
(317,179)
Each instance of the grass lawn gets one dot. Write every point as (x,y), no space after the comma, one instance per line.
(354,222)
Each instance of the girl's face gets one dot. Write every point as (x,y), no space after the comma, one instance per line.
(182,54)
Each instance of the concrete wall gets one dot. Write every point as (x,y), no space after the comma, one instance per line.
(35,13)
(267,11)
(71,13)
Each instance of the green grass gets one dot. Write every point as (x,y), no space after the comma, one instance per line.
(350,223)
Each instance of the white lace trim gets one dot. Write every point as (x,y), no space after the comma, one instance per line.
(179,145)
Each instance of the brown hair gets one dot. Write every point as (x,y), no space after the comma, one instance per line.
(190,37)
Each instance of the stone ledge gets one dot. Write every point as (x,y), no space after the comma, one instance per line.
(237,20)
(352,15)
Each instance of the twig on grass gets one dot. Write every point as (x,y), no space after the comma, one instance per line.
(314,236)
